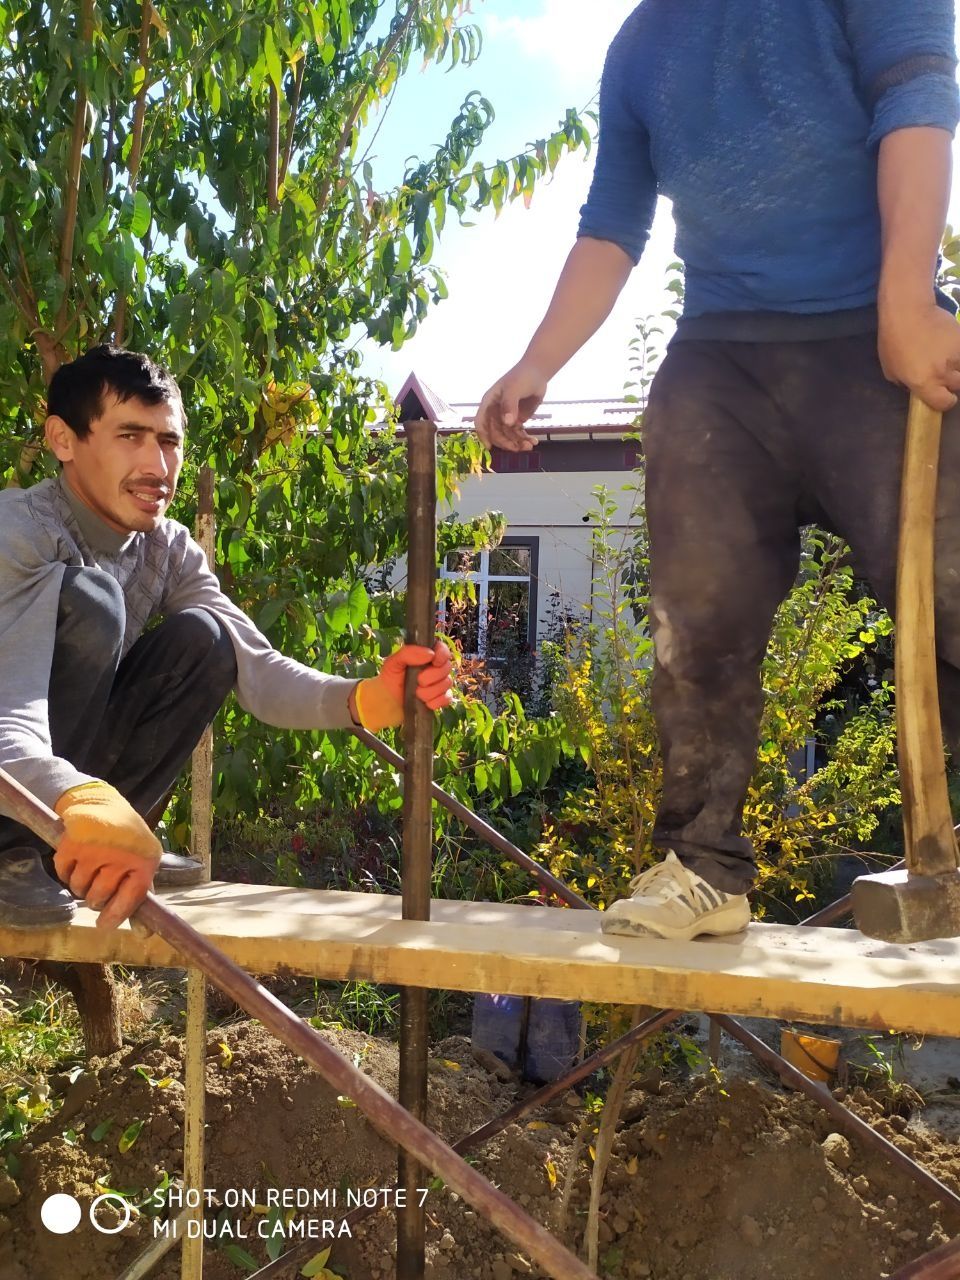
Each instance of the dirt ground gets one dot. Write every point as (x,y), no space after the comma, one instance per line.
(717,1178)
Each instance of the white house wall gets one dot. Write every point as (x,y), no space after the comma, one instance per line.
(555,508)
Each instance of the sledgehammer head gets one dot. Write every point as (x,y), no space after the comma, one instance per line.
(897,906)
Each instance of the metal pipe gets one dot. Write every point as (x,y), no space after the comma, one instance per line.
(470,1141)
(279,1268)
(941,1264)
(483,829)
(417,847)
(547,1093)
(158,1247)
(844,1117)
(383,1112)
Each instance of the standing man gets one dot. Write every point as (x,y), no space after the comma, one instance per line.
(98,714)
(806,146)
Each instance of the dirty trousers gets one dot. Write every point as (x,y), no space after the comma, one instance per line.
(744,444)
(132,722)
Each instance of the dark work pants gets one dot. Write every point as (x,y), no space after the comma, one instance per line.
(135,722)
(744,444)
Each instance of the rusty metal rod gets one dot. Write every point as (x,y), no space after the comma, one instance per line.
(483,829)
(383,1112)
(941,1264)
(844,1117)
(417,846)
(158,1247)
(470,1141)
(546,1093)
(658,1022)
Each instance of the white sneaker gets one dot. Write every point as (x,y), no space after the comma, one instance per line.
(669,901)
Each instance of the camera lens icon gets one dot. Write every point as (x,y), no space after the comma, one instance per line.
(126,1213)
(61,1213)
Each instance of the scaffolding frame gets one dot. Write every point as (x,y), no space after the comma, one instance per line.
(420,793)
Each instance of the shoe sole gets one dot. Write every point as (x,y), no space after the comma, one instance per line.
(30,918)
(724,923)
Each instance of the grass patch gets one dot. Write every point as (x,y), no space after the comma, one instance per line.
(36,1035)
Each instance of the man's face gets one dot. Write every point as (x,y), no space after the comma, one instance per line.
(126,469)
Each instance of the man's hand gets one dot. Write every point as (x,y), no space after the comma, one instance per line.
(108,854)
(920,349)
(378,703)
(508,404)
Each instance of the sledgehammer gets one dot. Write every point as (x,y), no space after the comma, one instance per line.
(922,901)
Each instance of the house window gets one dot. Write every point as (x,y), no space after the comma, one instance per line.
(502,621)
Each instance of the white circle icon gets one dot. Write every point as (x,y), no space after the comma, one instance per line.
(125,1208)
(60,1213)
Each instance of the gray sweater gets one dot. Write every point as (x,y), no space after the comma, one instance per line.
(46,528)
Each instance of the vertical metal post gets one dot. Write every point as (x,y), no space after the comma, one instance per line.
(417,824)
(191,1259)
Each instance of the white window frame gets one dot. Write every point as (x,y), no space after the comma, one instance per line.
(482,579)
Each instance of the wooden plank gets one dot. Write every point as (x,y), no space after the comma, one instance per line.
(195,1055)
(833,976)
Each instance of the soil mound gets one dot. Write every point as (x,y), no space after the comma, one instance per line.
(713,1180)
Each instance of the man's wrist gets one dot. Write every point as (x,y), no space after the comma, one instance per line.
(353,708)
(538,361)
(904,305)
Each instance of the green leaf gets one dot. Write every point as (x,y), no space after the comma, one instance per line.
(272,57)
(240,1257)
(317,1264)
(129,1136)
(274,1237)
(270,612)
(358,602)
(337,614)
(101,1131)
(516,782)
(135,214)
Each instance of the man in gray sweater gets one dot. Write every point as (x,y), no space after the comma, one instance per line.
(97,714)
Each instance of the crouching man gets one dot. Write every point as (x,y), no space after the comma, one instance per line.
(98,714)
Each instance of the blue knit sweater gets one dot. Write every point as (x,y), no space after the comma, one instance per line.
(761,121)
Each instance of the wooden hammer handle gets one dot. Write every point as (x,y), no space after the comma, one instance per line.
(931,846)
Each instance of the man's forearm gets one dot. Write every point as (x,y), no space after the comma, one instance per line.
(913,189)
(589,285)
(918,343)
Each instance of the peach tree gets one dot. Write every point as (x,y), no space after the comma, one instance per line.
(194,180)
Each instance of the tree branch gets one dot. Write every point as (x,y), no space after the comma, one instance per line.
(273,150)
(13,293)
(19,287)
(76,157)
(136,146)
(346,133)
(291,123)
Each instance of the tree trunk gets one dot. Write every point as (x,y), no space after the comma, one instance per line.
(95,993)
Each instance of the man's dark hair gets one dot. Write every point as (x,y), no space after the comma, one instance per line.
(77,388)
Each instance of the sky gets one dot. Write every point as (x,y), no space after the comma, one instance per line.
(539,57)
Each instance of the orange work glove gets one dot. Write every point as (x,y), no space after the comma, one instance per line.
(380,700)
(108,854)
